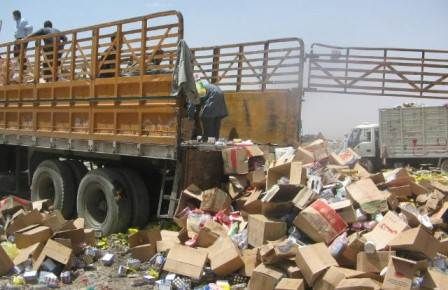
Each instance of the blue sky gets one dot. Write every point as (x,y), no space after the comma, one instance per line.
(377,23)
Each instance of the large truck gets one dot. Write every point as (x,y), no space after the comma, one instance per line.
(98,124)
(101,131)
(405,135)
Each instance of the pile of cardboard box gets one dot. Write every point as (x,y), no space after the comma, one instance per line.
(39,244)
(293,218)
(303,218)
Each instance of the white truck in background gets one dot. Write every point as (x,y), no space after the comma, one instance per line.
(404,136)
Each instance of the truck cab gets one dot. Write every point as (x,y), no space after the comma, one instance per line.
(364,139)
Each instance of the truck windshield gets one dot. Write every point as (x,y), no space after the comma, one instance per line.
(354,138)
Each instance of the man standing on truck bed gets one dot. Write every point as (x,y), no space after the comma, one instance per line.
(23,30)
(48,48)
(213,108)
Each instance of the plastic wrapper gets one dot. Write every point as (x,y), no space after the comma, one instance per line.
(338,245)
(241,239)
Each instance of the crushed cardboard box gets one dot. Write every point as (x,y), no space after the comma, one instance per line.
(313,260)
(185,261)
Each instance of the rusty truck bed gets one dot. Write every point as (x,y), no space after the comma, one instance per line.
(102,99)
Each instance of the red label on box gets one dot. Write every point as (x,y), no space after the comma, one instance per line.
(330,215)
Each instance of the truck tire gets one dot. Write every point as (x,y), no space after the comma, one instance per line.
(78,169)
(368,165)
(104,201)
(139,196)
(54,180)
(444,165)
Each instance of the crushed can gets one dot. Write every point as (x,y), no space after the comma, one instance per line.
(163,285)
(122,271)
(108,259)
(51,280)
(93,252)
(133,263)
(66,277)
(30,276)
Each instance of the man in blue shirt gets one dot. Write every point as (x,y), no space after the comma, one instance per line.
(23,30)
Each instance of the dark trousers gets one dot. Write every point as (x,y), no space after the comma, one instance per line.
(210,127)
(48,66)
(16,52)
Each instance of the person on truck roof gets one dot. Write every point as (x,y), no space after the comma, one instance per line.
(23,30)
(213,108)
(47,62)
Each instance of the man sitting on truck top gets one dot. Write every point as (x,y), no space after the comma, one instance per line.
(213,108)
(48,48)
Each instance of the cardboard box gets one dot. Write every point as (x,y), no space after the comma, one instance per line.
(277,200)
(319,149)
(303,156)
(261,229)
(235,160)
(320,222)
(252,203)
(55,251)
(31,235)
(41,205)
(365,193)
(397,177)
(373,262)
(214,200)
(257,178)
(345,209)
(6,263)
(89,237)
(76,237)
(185,261)
(348,157)
(32,251)
(169,240)
(206,238)
(143,252)
(386,230)
(304,198)
(377,178)
(403,192)
(416,240)
(251,259)
(224,257)
(143,237)
(277,251)
(22,219)
(435,279)
(55,220)
(293,171)
(334,275)
(290,284)
(400,273)
(358,284)
(313,260)
(355,245)
(291,269)
(190,198)
(264,278)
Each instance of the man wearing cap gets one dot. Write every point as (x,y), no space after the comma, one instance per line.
(213,108)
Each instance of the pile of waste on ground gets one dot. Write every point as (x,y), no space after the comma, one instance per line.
(294,218)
